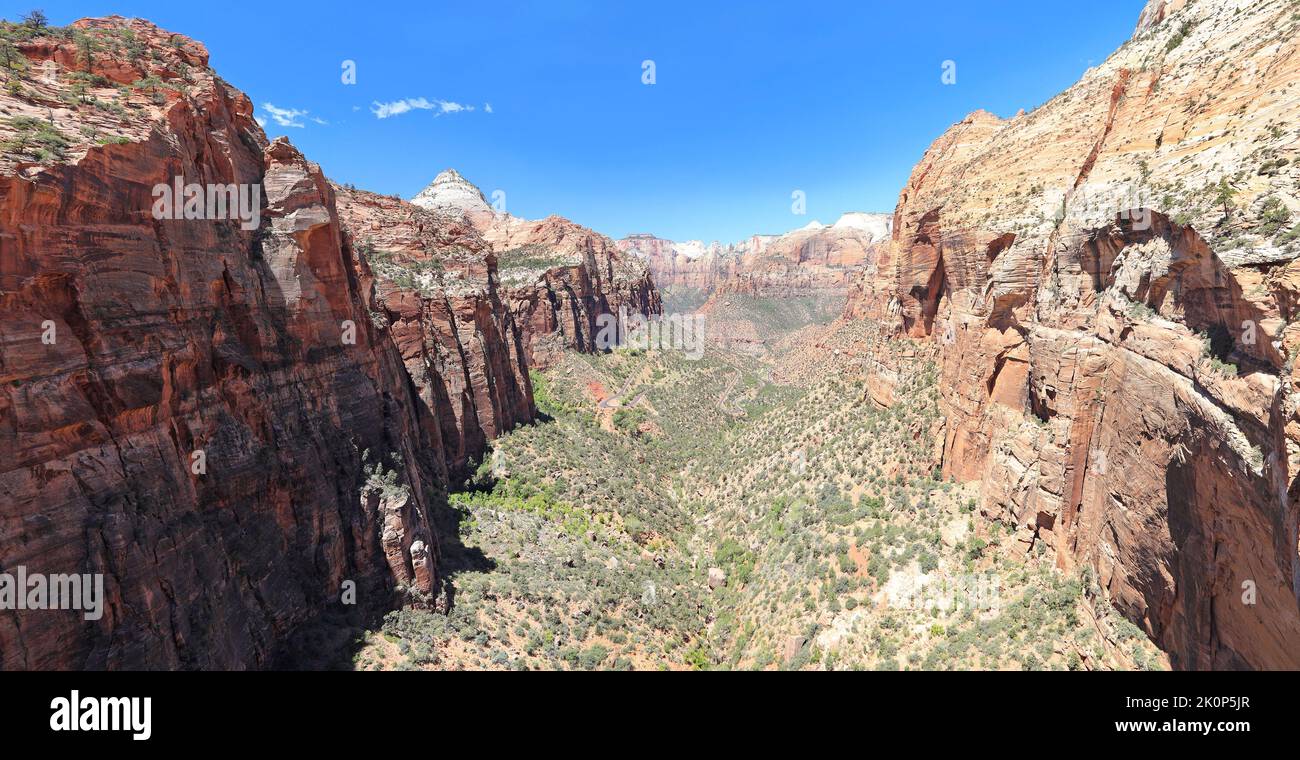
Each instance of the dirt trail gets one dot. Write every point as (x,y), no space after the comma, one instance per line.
(736,410)
(615,400)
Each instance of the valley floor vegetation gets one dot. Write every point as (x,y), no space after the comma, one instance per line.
(673,514)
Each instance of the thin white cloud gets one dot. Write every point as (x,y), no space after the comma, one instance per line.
(487,107)
(396,107)
(289,117)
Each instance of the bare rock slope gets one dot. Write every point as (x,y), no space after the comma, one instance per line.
(1111,282)
(815,259)
(179,408)
(556,276)
(234,420)
(436,291)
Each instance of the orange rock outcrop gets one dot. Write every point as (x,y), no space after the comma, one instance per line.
(235,421)
(1110,282)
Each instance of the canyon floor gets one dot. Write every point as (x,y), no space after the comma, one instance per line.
(677,514)
(1043,415)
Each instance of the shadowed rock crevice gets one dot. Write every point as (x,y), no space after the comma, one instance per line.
(1151,435)
(232,424)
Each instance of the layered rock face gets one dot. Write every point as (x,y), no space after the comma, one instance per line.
(210,412)
(1156,12)
(816,259)
(239,413)
(690,265)
(436,291)
(557,277)
(1110,282)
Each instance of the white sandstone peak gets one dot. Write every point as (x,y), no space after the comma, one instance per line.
(450,190)
(878,226)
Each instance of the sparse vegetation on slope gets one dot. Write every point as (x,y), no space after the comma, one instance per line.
(696,515)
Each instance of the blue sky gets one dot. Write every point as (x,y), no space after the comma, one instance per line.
(752,100)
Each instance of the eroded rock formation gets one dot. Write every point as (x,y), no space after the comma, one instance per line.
(816,259)
(557,277)
(436,290)
(179,408)
(1111,284)
(232,417)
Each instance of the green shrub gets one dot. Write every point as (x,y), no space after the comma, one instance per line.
(36,140)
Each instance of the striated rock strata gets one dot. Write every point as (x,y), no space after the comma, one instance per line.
(557,277)
(816,259)
(436,291)
(232,420)
(1111,282)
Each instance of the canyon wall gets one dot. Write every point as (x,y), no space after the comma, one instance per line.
(1111,282)
(436,292)
(816,259)
(179,410)
(557,277)
(236,420)
(690,265)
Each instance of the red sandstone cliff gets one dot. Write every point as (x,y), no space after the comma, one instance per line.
(237,416)
(172,337)
(436,289)
(688,266)
(817,259)
(1111,282)
(228,423)
(557,277)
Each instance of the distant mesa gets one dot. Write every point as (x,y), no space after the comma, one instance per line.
(814,259)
